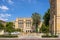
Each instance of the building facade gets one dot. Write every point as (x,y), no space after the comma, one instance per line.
(55,16)
(24,23)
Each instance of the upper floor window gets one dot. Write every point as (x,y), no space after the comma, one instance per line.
(28,21)
(20,22)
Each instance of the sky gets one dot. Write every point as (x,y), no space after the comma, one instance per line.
(12,9)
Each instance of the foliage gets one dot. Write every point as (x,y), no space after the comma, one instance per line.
(36,20)
(9,27)
(8,36)
(45,25)
(46,17)
(19,30)
(1,26)
(49,36)
(44,29)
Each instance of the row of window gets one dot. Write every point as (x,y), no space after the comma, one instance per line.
(28,31)
(21,23)
(25,21)
(27,25)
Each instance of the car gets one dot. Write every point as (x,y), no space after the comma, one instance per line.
(15,33)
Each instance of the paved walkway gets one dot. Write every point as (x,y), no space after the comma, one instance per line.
(32,35)
(30,39)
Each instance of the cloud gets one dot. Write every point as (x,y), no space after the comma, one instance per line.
(4,8)
(4,17)
(10,1)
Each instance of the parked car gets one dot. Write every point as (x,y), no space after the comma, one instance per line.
(15,33)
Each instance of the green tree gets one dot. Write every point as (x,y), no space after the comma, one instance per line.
(36,20)
(9,27)
(19,30)
(44,29)
(46,17)
(1,26)
(45,25)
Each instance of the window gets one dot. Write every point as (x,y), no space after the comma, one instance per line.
(28,23)
(20,23)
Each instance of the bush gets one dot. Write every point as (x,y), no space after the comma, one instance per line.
(54,36)
(8,36)
(19,30)
(49,36)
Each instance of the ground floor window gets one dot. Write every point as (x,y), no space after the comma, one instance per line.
(28,30)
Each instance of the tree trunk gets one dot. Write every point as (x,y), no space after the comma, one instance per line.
(36,28)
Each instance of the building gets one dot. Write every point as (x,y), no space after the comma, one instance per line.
(25,24)
(55,16)
(1,32)
(3,22)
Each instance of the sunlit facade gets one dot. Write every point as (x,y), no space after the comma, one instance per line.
(24,23)
(55,16)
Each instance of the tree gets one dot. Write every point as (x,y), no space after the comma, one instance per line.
(19,30)
(9,27)
(44,29)
(1,26)
(36,20)
(46,17)
(45,26)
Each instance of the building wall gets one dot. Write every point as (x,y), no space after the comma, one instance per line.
(16,24)
(52,16)
(58,16)
(55,16)
(1,32)
(24,23)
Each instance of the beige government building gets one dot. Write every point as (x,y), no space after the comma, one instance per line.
(55,16)
(25,24)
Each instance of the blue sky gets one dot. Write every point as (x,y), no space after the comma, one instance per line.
(11,9)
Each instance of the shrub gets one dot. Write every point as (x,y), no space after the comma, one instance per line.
(49,36)
(8,36)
